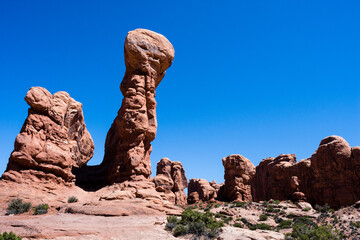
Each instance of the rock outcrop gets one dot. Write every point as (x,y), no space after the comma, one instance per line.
(239,172)
(128,142)
(280,177)
(202,190)
(52,141)
(330,176)
(170,178)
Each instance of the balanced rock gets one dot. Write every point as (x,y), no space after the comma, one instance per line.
(170,178)
(201,190)
(52,141)
(239,172)
(128,142)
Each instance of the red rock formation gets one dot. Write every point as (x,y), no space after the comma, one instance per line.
(239,172)
(335,179)
(52,140)
(330,176)
(279,178)
(202,190)
(127,147)
(170,178)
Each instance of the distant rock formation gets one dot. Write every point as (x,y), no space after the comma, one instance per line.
(202,190)
(170,178)
(239,172)
(330,176)
(52,140)
(280,177)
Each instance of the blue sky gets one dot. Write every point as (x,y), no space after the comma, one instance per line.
(256,78)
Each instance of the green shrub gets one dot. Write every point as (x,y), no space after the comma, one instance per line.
(17,206)
(180,230)
(41,209)
(262,226)
(196,223)
(238,225)
(272,210)
(263,217)
(322,209)
(274,202)
(314,233)
(197,228)
(72,199)
(306,209)
(355,224)
(285,224)
(9,236)
(239,204)
(244,220)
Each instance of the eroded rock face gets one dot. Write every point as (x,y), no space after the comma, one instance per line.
(170,178)
(52,141)
(202,190)
(128,142)
(239,172)
(278,178)
(335,172)
(330,176)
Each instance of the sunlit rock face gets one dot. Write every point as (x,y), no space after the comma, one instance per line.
(330,176)
(239,172)
(128,142)
(52,141)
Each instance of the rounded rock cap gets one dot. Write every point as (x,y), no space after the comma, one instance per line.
(146,50)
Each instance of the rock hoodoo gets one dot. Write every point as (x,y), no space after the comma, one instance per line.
(239,172)
(52,140)
(128,142)
(170,178)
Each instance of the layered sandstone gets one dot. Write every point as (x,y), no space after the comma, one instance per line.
(329,176)
(128,142)
(52,141)
(239,172)
(170,178)
(202,190)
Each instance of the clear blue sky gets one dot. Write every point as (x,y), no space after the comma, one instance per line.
(257,78)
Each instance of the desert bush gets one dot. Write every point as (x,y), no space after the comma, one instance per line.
(194,222)
(17,206)
(239,204)
(285,224)
(314,233)
(274,202)
(72,199)
(238,225)
(41,209)
(306,209)
(180,230)
(262,226)
(263,217)
(355,224)
(322,209)
(244,220)
(9,236)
